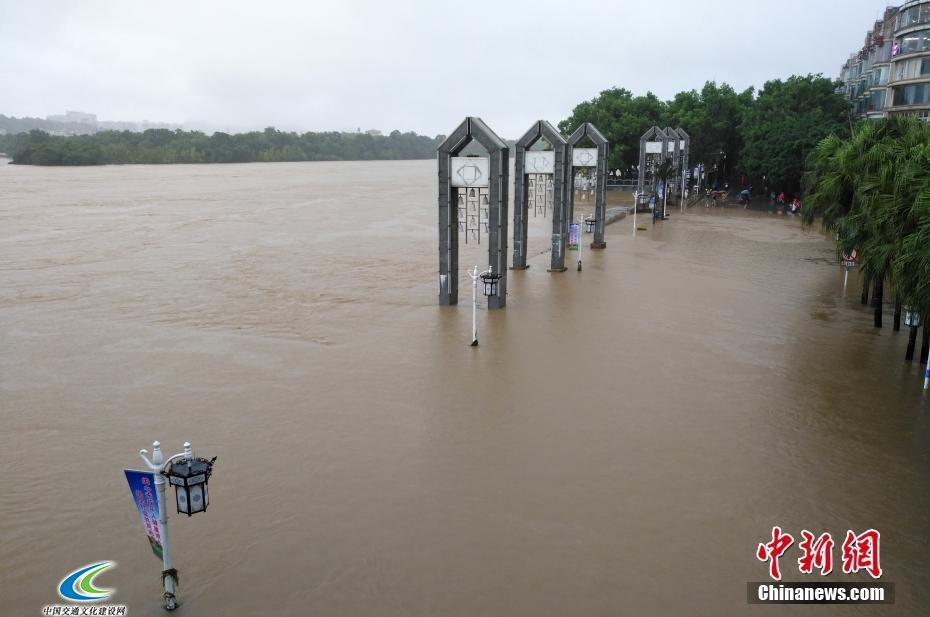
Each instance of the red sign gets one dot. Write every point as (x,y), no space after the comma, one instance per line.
(850,261)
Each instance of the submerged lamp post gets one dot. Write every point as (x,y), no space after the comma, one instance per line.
(189,476)
(635,208)
(665,199)
(489,280)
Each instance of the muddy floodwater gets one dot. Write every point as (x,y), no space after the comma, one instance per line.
(619,444)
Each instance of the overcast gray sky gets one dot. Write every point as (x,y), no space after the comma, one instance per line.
(417,65)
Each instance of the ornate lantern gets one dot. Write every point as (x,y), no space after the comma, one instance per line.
(911,317)
(490,280)
(189,478)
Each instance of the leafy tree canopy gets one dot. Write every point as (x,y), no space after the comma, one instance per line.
(873,189)
(165,146)
(765,135)
(784,124)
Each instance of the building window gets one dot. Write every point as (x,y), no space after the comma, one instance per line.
(915,94)
(881,76)
(913,16)
(912,42)
(912,69)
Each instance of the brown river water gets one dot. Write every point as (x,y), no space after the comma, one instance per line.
(619,444)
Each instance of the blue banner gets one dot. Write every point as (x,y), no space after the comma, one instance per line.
(142,487)
(573,237)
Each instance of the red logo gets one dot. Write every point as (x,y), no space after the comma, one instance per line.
(860,552)
(816,553)
(773,550)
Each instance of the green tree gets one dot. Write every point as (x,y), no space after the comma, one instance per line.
(785,123)
(156,146)
(873,190)
(713,118)
(621,118)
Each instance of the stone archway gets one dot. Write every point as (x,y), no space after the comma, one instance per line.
(597,159)
(462,174)
(544,162)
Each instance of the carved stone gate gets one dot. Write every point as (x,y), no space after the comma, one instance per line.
(595,158)
(459,177)
(537,175)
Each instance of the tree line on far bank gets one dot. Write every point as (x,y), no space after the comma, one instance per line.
(165,146)
(872,190)
(761,139)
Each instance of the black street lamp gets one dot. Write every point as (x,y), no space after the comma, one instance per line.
(490,280)
(190,477)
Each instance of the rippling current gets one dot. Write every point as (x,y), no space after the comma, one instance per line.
(619,444)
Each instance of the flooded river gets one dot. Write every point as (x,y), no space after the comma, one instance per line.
(619,444)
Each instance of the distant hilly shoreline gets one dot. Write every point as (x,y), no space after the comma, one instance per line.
(163,146)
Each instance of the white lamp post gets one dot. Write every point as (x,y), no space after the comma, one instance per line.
(489,279)
(580,242)
(684,180)
(665,200)
(635,208)
(189,476)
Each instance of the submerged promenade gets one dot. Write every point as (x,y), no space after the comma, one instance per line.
(620,443)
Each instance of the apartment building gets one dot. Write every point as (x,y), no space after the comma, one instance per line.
(891,73)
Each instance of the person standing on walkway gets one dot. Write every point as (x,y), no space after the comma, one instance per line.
(744,197)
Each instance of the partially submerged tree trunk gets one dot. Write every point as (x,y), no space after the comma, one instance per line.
(878,299)
(925,347)
(897,314)
(866,279)
(911,343)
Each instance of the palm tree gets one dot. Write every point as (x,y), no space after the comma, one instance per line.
(910,266)
(894,177)
(831,182)
(873,191)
